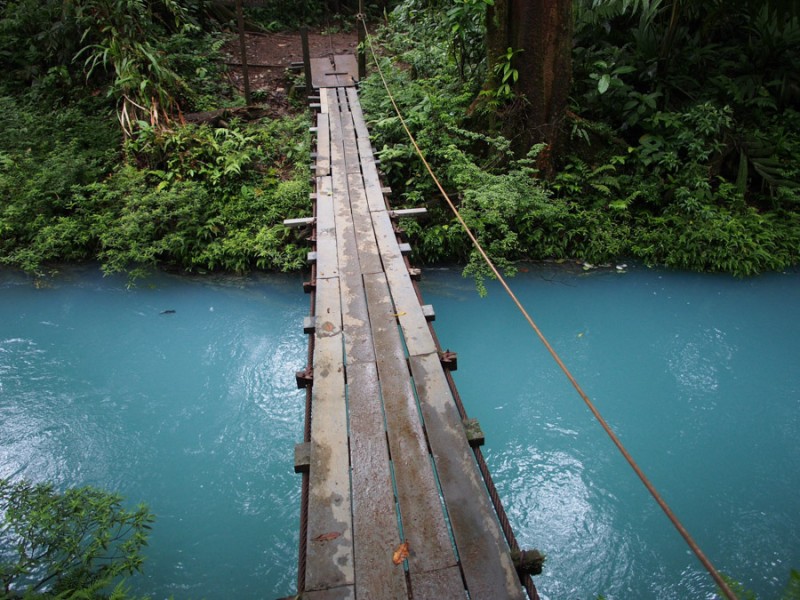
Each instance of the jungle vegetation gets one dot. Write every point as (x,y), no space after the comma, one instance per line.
(676,144)
(67,545)
(657,130)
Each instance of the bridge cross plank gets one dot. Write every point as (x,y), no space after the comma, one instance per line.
(389,457)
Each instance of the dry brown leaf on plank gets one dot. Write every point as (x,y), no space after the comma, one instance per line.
(401,553)
(326,537)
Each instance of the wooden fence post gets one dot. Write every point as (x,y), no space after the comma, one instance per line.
(243,51)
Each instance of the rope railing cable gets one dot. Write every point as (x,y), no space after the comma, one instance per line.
(715,575)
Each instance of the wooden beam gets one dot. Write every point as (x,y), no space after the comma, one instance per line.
(408,212)
(329,543)
(301,222)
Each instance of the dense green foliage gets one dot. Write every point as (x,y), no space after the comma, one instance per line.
(189,197)
(66,545)
(157,193)
(662,165)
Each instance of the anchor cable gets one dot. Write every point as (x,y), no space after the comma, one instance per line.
(715,575)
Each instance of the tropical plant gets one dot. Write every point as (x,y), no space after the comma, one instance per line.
(117,36)
(80,540)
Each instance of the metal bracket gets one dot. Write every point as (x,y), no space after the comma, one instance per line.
(302,457)
(449,360)
(305,378)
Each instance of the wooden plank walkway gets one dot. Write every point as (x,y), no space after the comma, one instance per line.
(389,458)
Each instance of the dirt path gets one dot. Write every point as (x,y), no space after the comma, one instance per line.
(269,56)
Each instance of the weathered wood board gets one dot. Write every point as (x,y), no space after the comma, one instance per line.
(339,70)
(323,161)
(420,508)
(358,114)
(327,263)
(368,254)
(482,549)
(329,554)
(375,526)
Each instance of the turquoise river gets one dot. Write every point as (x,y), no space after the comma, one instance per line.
(196,413)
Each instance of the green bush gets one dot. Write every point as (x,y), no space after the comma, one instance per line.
(67,545)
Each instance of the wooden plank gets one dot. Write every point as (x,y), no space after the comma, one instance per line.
(352,158)
(329,554)
(346,70)
(358,341)
(366,152)
(323,162)
(372,184)
(358,115)
(330,72)
(412,319)
(409,212)
(301,222)
(433,585)
(319,77)
(338,164)
(375,526)
(368,255)
(345,230)
(323,101)
(357,338)
(421,513)
(328,99)
(482,548)
(326,230)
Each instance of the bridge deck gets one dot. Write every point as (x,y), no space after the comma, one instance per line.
(389,459)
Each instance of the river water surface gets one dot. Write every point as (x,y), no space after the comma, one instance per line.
(196,413)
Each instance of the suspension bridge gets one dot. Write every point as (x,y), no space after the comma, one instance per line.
(397,501)
(389,458)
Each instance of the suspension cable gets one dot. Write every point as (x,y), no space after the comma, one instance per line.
(715,575)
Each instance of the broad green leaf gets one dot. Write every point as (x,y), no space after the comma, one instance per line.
(602,85)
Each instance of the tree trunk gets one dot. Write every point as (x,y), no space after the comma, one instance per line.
(542,29)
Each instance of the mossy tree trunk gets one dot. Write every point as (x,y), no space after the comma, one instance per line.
(542,30)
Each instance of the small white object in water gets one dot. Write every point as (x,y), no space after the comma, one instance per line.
(210,309)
